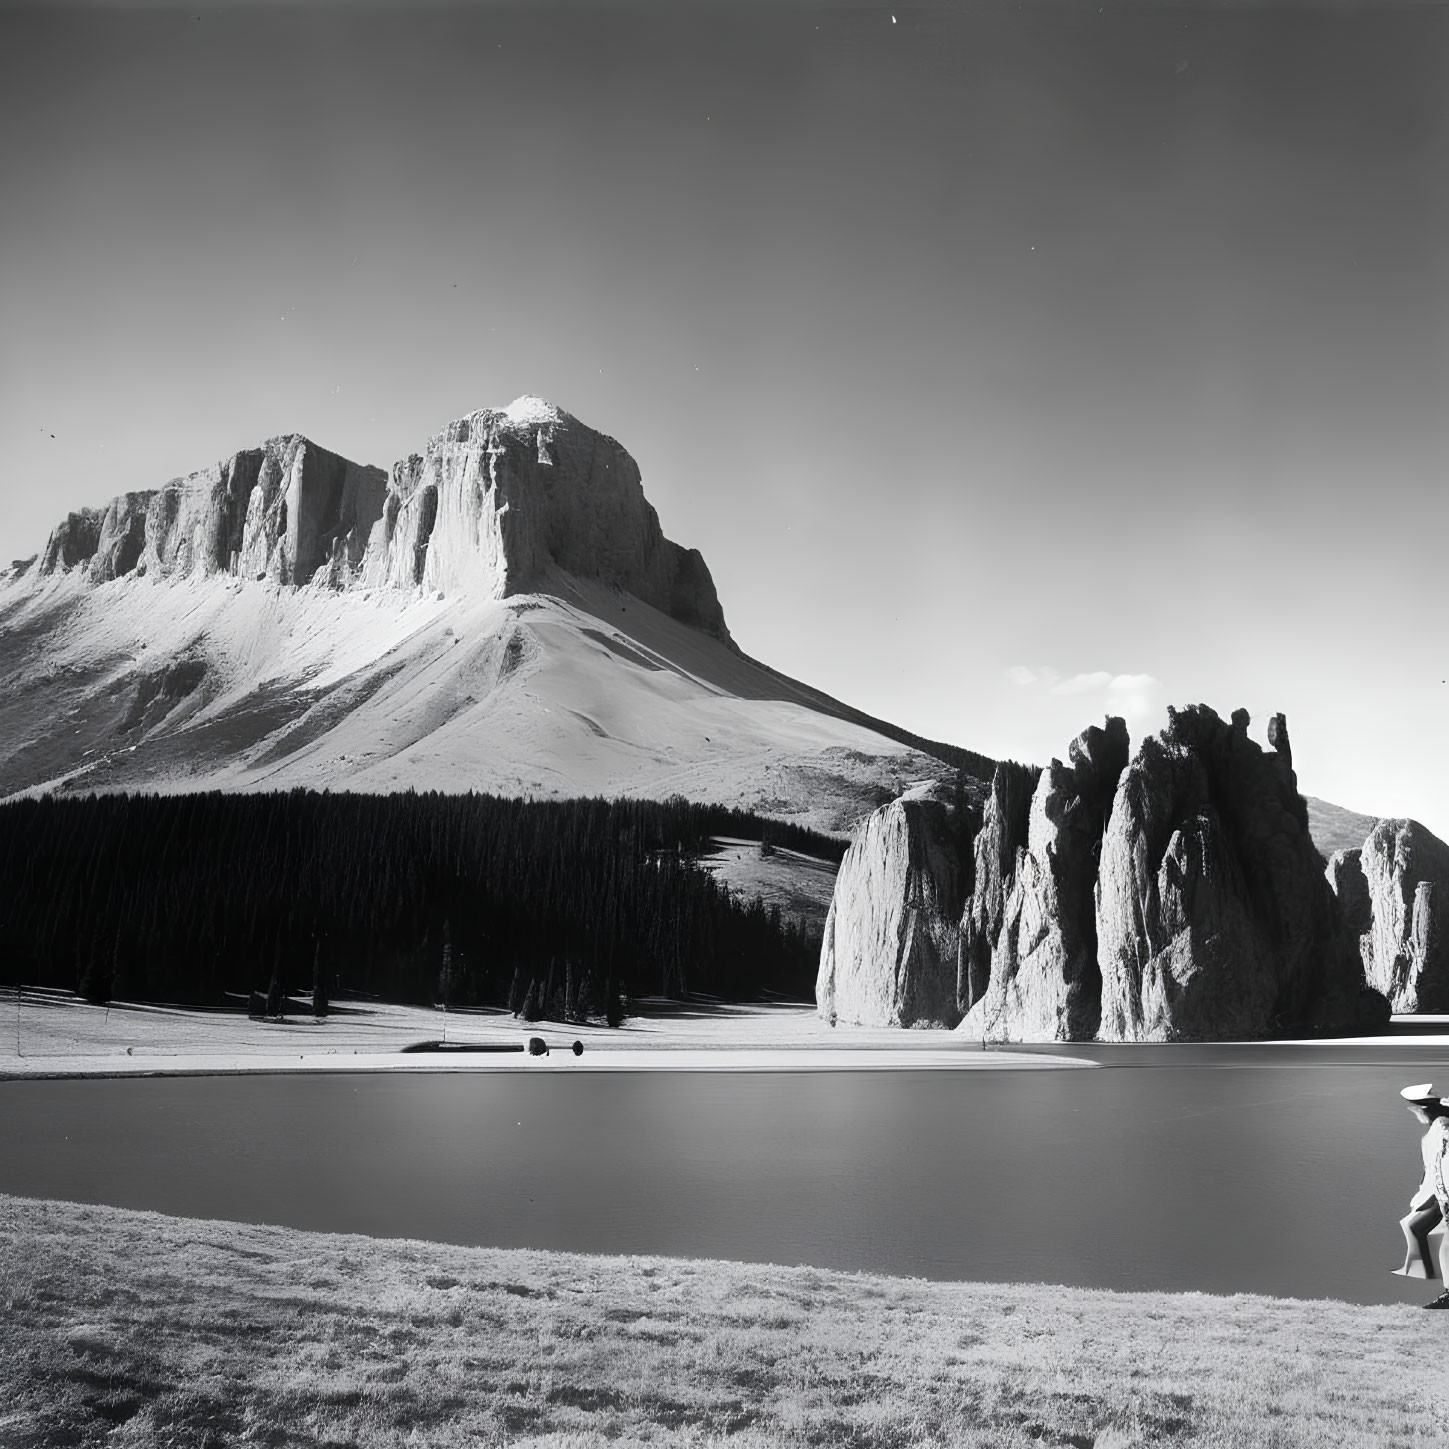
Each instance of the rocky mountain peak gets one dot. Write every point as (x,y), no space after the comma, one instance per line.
(496,504)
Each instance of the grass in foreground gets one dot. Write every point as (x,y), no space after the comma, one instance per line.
(126,1328)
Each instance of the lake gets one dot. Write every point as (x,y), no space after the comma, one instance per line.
(1224,1169)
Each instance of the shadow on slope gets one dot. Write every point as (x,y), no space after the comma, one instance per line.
(732,672)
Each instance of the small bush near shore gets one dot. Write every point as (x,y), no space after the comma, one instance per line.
(124,1328)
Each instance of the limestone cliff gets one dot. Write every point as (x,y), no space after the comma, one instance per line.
(1214,917)
(1346,877)
(1405,871)
(1177,895)
(1355,907)
(501,498)
(998,844)
(72,541)
(889,953)
(496,504)
(1044,983)
(282,511)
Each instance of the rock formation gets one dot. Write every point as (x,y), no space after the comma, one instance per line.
(501,498)
(281,512)
(1346,877)
(1405,871)
(493,506)
(72,541)
(889,953)
(1175,896)
(1044,984)
(1347,994)
(1355,906)
(1214,917)
(999,842)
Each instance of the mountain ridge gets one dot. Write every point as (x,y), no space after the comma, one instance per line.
(496,501)
(514,620)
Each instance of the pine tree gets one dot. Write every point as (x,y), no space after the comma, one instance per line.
(445,976)
(583,999)
(123,973)
(95,982)
(319,983)
(531,1009)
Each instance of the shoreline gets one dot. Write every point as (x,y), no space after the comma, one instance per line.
(61,1036)
(661,1059)
(183,1327)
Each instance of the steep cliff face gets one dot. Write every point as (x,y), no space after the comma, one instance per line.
(306,508)
(889,953)
(282,512)
(500,499)
(1044,983)
(72,541)
(1175,896)
(495,504)
(1346,877)
(1406,875)
(1348,1001)
(1214,916)
(998,844)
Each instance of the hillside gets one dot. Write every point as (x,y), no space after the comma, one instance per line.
(1334,828)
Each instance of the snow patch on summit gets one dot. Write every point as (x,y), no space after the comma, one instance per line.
(531,409)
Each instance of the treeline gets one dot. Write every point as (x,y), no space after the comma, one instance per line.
(465,898)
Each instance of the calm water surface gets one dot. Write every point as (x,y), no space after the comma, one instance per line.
(1222,1169)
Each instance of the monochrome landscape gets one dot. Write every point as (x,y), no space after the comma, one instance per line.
(479,969)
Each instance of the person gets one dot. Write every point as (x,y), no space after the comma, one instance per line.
(1429,1205)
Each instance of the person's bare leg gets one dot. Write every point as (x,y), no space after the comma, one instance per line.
(1417,1225)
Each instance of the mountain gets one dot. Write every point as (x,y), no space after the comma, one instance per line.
(502,612)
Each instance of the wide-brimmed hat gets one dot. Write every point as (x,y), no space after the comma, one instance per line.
(1424,1092)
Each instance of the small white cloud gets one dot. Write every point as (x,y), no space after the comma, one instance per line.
(1136,697)
(1083,683)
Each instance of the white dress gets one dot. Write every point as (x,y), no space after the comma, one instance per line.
(1434,1147)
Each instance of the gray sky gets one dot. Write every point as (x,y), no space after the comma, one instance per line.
(1008,364)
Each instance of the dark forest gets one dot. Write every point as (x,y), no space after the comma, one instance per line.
(561,907)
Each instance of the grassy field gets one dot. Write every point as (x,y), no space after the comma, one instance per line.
(125,1328)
